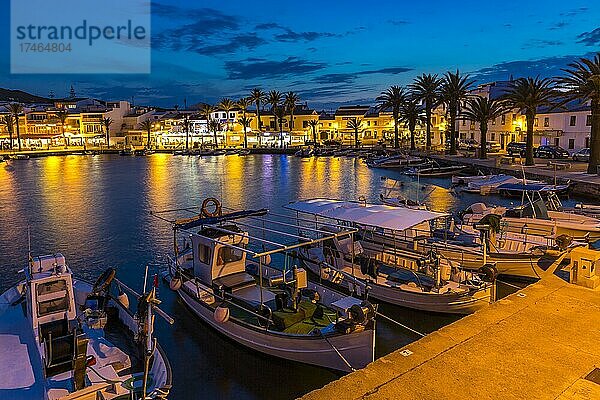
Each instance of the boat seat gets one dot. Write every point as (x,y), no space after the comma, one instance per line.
(56,328)
(233,282)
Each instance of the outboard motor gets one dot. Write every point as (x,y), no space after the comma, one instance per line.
(488,272)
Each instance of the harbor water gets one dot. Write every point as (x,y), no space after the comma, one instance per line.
(96,210)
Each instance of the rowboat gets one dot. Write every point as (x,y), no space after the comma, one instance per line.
(64,338)
(228,279)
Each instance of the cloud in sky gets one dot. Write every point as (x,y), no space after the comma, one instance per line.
(263,68)
(591,38)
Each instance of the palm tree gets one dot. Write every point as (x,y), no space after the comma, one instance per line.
(186,126)
(62,118)
(9,121)
(214,126)
(227,105)
(291,99)
(426,87)
(279,113)
(245,122)
(393,98)
(314,123)
(107,122)
(410,114)
(147,126)
(274,99)
(16,109)
(527,95)
(483,110)
(207,111)
(258,96)
(582,83)
(356,125)
(454,90)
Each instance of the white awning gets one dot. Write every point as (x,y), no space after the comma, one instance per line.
(375,215)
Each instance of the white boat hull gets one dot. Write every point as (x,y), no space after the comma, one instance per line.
(357,348)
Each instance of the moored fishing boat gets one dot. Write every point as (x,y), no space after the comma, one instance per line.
(227,278)
(434,171)
(423,231)
(397,161)
(534,218)
(64,338)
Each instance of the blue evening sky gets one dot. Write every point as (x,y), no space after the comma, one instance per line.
(331,52)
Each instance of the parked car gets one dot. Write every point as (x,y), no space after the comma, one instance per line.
(468,144)
(516,149)
(551,152)
(582,155)
(493,147)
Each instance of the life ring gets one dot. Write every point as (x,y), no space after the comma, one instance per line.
(104,280)
(211,201)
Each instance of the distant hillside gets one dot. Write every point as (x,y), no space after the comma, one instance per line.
(21,97)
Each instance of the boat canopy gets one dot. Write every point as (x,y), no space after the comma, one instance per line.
(375,215)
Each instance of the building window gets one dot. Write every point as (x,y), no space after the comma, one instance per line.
(464,122)
(433,120)
(514,117)
(571,144)
(493,136)
(587,142)
(573,120)
(588,120)
(472,126)
(494,121)
(503,119)
(374,123)
(546,122)
(472,135)
(535,122)
(557,141)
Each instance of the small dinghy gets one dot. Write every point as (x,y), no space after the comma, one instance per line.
(244,152)
(229,279)
(64,338)
(435,172)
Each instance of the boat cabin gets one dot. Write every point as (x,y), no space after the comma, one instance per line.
(51,311)
(219,259)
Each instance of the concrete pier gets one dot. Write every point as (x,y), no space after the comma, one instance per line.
(539,343)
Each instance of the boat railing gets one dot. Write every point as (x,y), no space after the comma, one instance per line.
(200,287)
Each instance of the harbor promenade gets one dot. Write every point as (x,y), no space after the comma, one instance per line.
(539,343)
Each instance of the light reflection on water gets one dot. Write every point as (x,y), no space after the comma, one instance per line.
(96,211)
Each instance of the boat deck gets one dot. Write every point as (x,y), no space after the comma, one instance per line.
(21,374)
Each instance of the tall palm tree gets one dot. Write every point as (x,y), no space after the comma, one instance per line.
(9,121)
(227,105)
(274,99)
(355,124)
(214,126)
(291,99)
(16,109)
(314,124)
(207,110)
(582,83)
(62,118)
(279,112)
(107,122)
(410,114)
(426,87)
(483,110)
(146,125)
(454,91)
(393,98)
(186,126)
(527,95)
(245,122)
(258,97)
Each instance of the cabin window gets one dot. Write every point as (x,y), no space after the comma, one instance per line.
(204,254)
(51,287)
(56,304)
(228,255)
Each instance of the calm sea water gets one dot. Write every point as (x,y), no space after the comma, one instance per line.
(96,211)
